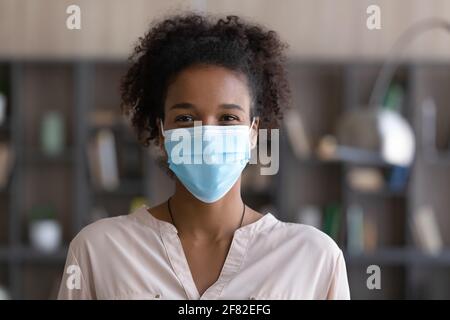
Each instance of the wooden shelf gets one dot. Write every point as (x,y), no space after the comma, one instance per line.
(36,156)
(385,193)
(313,161)
(28,254)
(351,157)
(399,256)
(363,159)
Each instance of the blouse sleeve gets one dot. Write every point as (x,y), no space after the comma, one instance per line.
(74,284)
(339,288)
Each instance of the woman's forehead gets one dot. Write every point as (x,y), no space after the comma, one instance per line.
(208,86)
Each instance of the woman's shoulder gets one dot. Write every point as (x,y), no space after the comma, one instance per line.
(97,230)
(305,236)
(109,230)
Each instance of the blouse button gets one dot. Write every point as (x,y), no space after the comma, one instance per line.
(157,296)
(252,298)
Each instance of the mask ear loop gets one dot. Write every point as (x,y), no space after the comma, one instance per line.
(250,132)
(161,127)
(253,122)
(251,125)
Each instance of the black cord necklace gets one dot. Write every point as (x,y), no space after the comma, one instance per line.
(173,222)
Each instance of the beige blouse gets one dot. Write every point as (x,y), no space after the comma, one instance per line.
(138,256)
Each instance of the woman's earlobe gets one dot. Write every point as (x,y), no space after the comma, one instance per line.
(161,148)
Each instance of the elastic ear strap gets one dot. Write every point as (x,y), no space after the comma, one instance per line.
(253,122)
(250,131)
(162,127)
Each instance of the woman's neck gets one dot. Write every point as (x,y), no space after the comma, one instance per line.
(206,221)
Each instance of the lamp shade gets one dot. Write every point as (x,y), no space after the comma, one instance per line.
(380,130)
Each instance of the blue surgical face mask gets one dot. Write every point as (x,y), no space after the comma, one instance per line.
(208,160)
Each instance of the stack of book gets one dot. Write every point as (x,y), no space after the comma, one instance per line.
(6,163)
(425,230)
(362,232)
(103,160)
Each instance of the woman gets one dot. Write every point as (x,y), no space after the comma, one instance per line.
(204,242)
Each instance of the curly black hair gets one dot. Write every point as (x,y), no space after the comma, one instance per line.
(188,39)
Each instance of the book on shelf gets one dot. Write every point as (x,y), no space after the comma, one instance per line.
(395,97)
(108,118)
(6,163)
(102,156)
(398,178)
(365,179)
(355,229)
(362,231)
(327,148)
(332,221)
(432,141)
(370,234)
(103,118)
(53,133)
(310,215)
(429,124)
(3,102)
(296,133)
(425,230)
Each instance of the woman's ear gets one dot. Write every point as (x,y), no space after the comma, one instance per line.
(254,132)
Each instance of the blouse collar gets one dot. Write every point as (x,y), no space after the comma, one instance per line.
(145,217)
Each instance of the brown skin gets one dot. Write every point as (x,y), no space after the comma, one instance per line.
(215,96)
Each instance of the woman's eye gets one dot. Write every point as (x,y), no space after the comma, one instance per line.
(184,118)
(229,118)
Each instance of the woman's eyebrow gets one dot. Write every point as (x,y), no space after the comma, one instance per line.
(187,105)
(182,105)
(231,106)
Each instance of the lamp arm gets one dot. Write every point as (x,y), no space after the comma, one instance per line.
(389,67)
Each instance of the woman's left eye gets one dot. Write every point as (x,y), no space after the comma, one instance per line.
(184,118)
(229,117)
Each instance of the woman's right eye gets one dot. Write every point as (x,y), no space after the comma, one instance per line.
(184,118)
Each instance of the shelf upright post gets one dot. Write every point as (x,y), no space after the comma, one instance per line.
(350,102)
(411,104)
(16,200)
(83,98)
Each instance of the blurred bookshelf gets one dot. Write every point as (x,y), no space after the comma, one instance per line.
(322,93)
(58,99)
(86,99)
